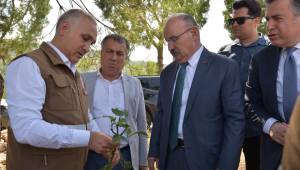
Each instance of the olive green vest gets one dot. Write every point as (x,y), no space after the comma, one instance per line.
(66,103)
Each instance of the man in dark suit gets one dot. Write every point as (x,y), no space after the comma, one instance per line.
(274,80)
(244,23)
(200,121)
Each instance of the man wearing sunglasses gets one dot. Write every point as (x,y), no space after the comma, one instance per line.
(274,78)
(244,24)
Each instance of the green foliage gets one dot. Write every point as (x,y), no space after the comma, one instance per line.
(141,21)
(227,14)
(141,68)
(21,24)
(89,62)
(117,122)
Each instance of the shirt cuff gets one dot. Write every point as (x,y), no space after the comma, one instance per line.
(80,138)
(268,125)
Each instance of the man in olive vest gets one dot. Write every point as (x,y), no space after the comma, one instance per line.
(47,103)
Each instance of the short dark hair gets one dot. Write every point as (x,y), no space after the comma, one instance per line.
(295,5)
(74,13)
(253,7)
(118,38)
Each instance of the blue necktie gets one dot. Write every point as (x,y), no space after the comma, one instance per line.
(290,91)
(176,104)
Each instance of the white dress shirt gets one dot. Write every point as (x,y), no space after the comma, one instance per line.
(26,91)
(107,95)
(188,79)
(279,84)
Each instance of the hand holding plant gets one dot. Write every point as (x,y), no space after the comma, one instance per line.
(120,130)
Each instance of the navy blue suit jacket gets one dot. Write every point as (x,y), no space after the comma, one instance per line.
(214,122)
(261,90)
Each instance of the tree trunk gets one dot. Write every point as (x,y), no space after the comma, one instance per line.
(160,64)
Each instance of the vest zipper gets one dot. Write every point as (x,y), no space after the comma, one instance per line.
(45,160)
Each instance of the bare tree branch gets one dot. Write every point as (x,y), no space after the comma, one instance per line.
(106,26)
(60,6)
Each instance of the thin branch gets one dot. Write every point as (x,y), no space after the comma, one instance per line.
(71,3)
(52,29)
(110,28)
(60,6)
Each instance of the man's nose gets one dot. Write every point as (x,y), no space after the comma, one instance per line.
(270,25)
(171,45)
(86,47)
(114,56)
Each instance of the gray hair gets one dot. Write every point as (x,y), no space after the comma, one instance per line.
(189,19)
(74,14)
(294,3)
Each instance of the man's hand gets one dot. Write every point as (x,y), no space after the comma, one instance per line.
(152,161)
(278,131)
(100,143)
(116,157)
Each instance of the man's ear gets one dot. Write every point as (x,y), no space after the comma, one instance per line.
(64,27)
(257,21)
(196,33)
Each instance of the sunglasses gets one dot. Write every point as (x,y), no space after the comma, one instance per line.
(238,20)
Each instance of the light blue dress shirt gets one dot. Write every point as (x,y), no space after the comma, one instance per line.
(188,79)
(279,84)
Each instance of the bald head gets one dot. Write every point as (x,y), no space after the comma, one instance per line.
(73,16)
(182,35)
(186,18)
(76,31)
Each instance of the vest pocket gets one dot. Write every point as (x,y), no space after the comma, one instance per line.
(60,94)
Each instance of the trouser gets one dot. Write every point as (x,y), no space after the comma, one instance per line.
(251,149)
(96,161)
(176,159)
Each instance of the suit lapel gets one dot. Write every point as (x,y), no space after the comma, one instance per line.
(167,93)
(91,89)
(126,91)
(201,70)
(273,62)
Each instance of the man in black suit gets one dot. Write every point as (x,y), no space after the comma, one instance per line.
(200,121)
(246,16)
(274,78)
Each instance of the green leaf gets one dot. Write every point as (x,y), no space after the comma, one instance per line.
(142,21)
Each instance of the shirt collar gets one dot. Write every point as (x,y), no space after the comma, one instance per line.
(193,61)
(260,41)
(116,80)
(66,61)
(296,46)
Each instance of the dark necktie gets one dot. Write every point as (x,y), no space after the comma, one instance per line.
(289,84)
(176,104)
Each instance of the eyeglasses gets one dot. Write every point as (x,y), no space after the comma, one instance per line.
(238,20)
(175,38)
